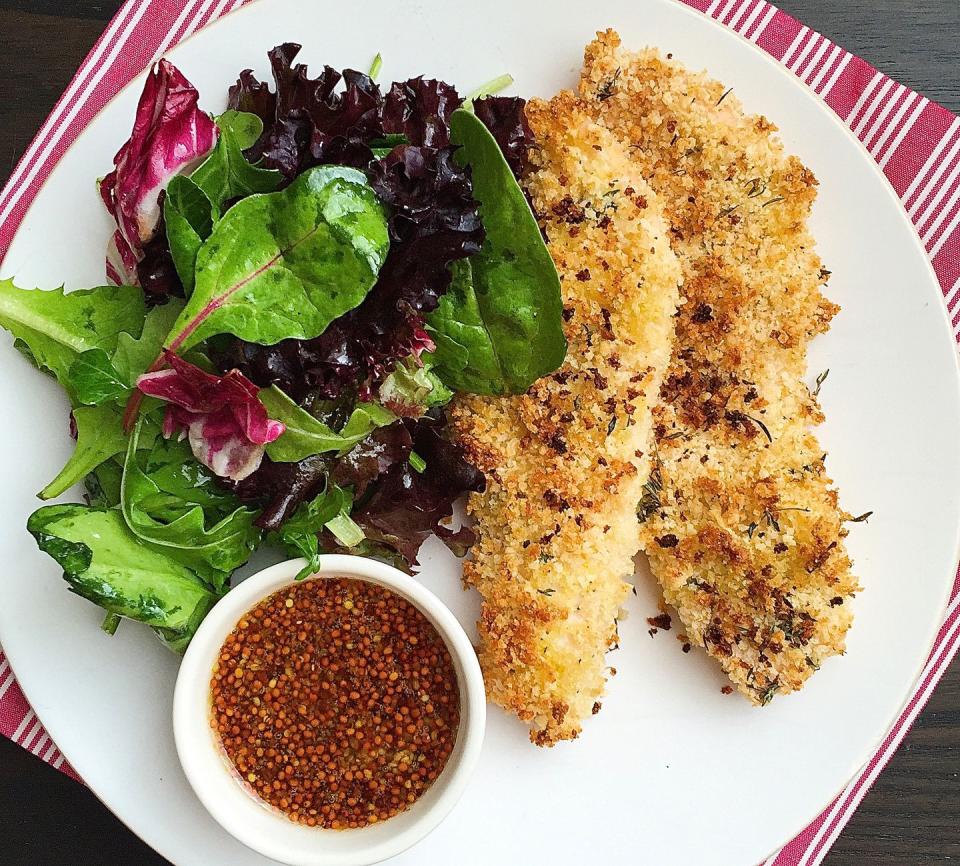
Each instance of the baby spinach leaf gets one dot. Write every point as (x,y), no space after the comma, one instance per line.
(466,354)
(227,174)
(104,563)
(188,215)
(94,380)
(212,552)
(53,327)
(499,328)
(194,204)
(100,436)
(306,436)
(286,264)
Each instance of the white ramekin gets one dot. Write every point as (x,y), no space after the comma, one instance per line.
(238,810)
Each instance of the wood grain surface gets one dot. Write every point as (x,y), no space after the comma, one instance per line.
(912,815)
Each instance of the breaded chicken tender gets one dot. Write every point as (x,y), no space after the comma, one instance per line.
(567,461)
(740,521)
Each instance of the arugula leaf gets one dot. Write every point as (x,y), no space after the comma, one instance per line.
(100,436)
(212,552)
(188,215)
(227,174)
(104,563)
(286,264)
(306,436)
(299,534)
(53,327)
(499,328)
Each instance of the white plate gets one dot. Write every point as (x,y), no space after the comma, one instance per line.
(671,770)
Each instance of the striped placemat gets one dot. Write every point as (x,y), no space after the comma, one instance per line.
(915,141)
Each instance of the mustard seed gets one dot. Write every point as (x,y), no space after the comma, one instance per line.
(328,728)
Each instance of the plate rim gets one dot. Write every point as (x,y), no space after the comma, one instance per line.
(803,90)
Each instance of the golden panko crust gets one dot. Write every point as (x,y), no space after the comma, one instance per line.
(567,461)
(740,521)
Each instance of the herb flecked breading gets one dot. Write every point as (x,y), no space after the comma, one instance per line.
(566,462)
(757,566)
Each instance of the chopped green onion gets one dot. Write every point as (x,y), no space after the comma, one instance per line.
(345,530)
(110,623)
(417,462)
(376,66)
(495,85)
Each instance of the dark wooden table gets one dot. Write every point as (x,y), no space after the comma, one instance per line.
(911,817)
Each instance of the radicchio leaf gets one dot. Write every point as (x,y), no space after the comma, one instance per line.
(170,135)
(226,424)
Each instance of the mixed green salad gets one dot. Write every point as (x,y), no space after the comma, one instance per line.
(298,287)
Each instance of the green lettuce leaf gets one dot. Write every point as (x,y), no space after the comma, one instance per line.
(499,328)
(286,264)
(94,379)
(104,563)
(100,436)
(52,328)
(134,355)
(189,217)
(182,483)
(305,435)
(227,174)
(103,484)
(180,529)
(330,510)
(411,389)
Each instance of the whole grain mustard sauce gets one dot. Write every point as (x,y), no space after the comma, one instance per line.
(337,702)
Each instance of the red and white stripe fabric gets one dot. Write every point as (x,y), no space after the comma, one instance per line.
(915,141)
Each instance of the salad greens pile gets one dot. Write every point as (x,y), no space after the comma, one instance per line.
(298,288)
